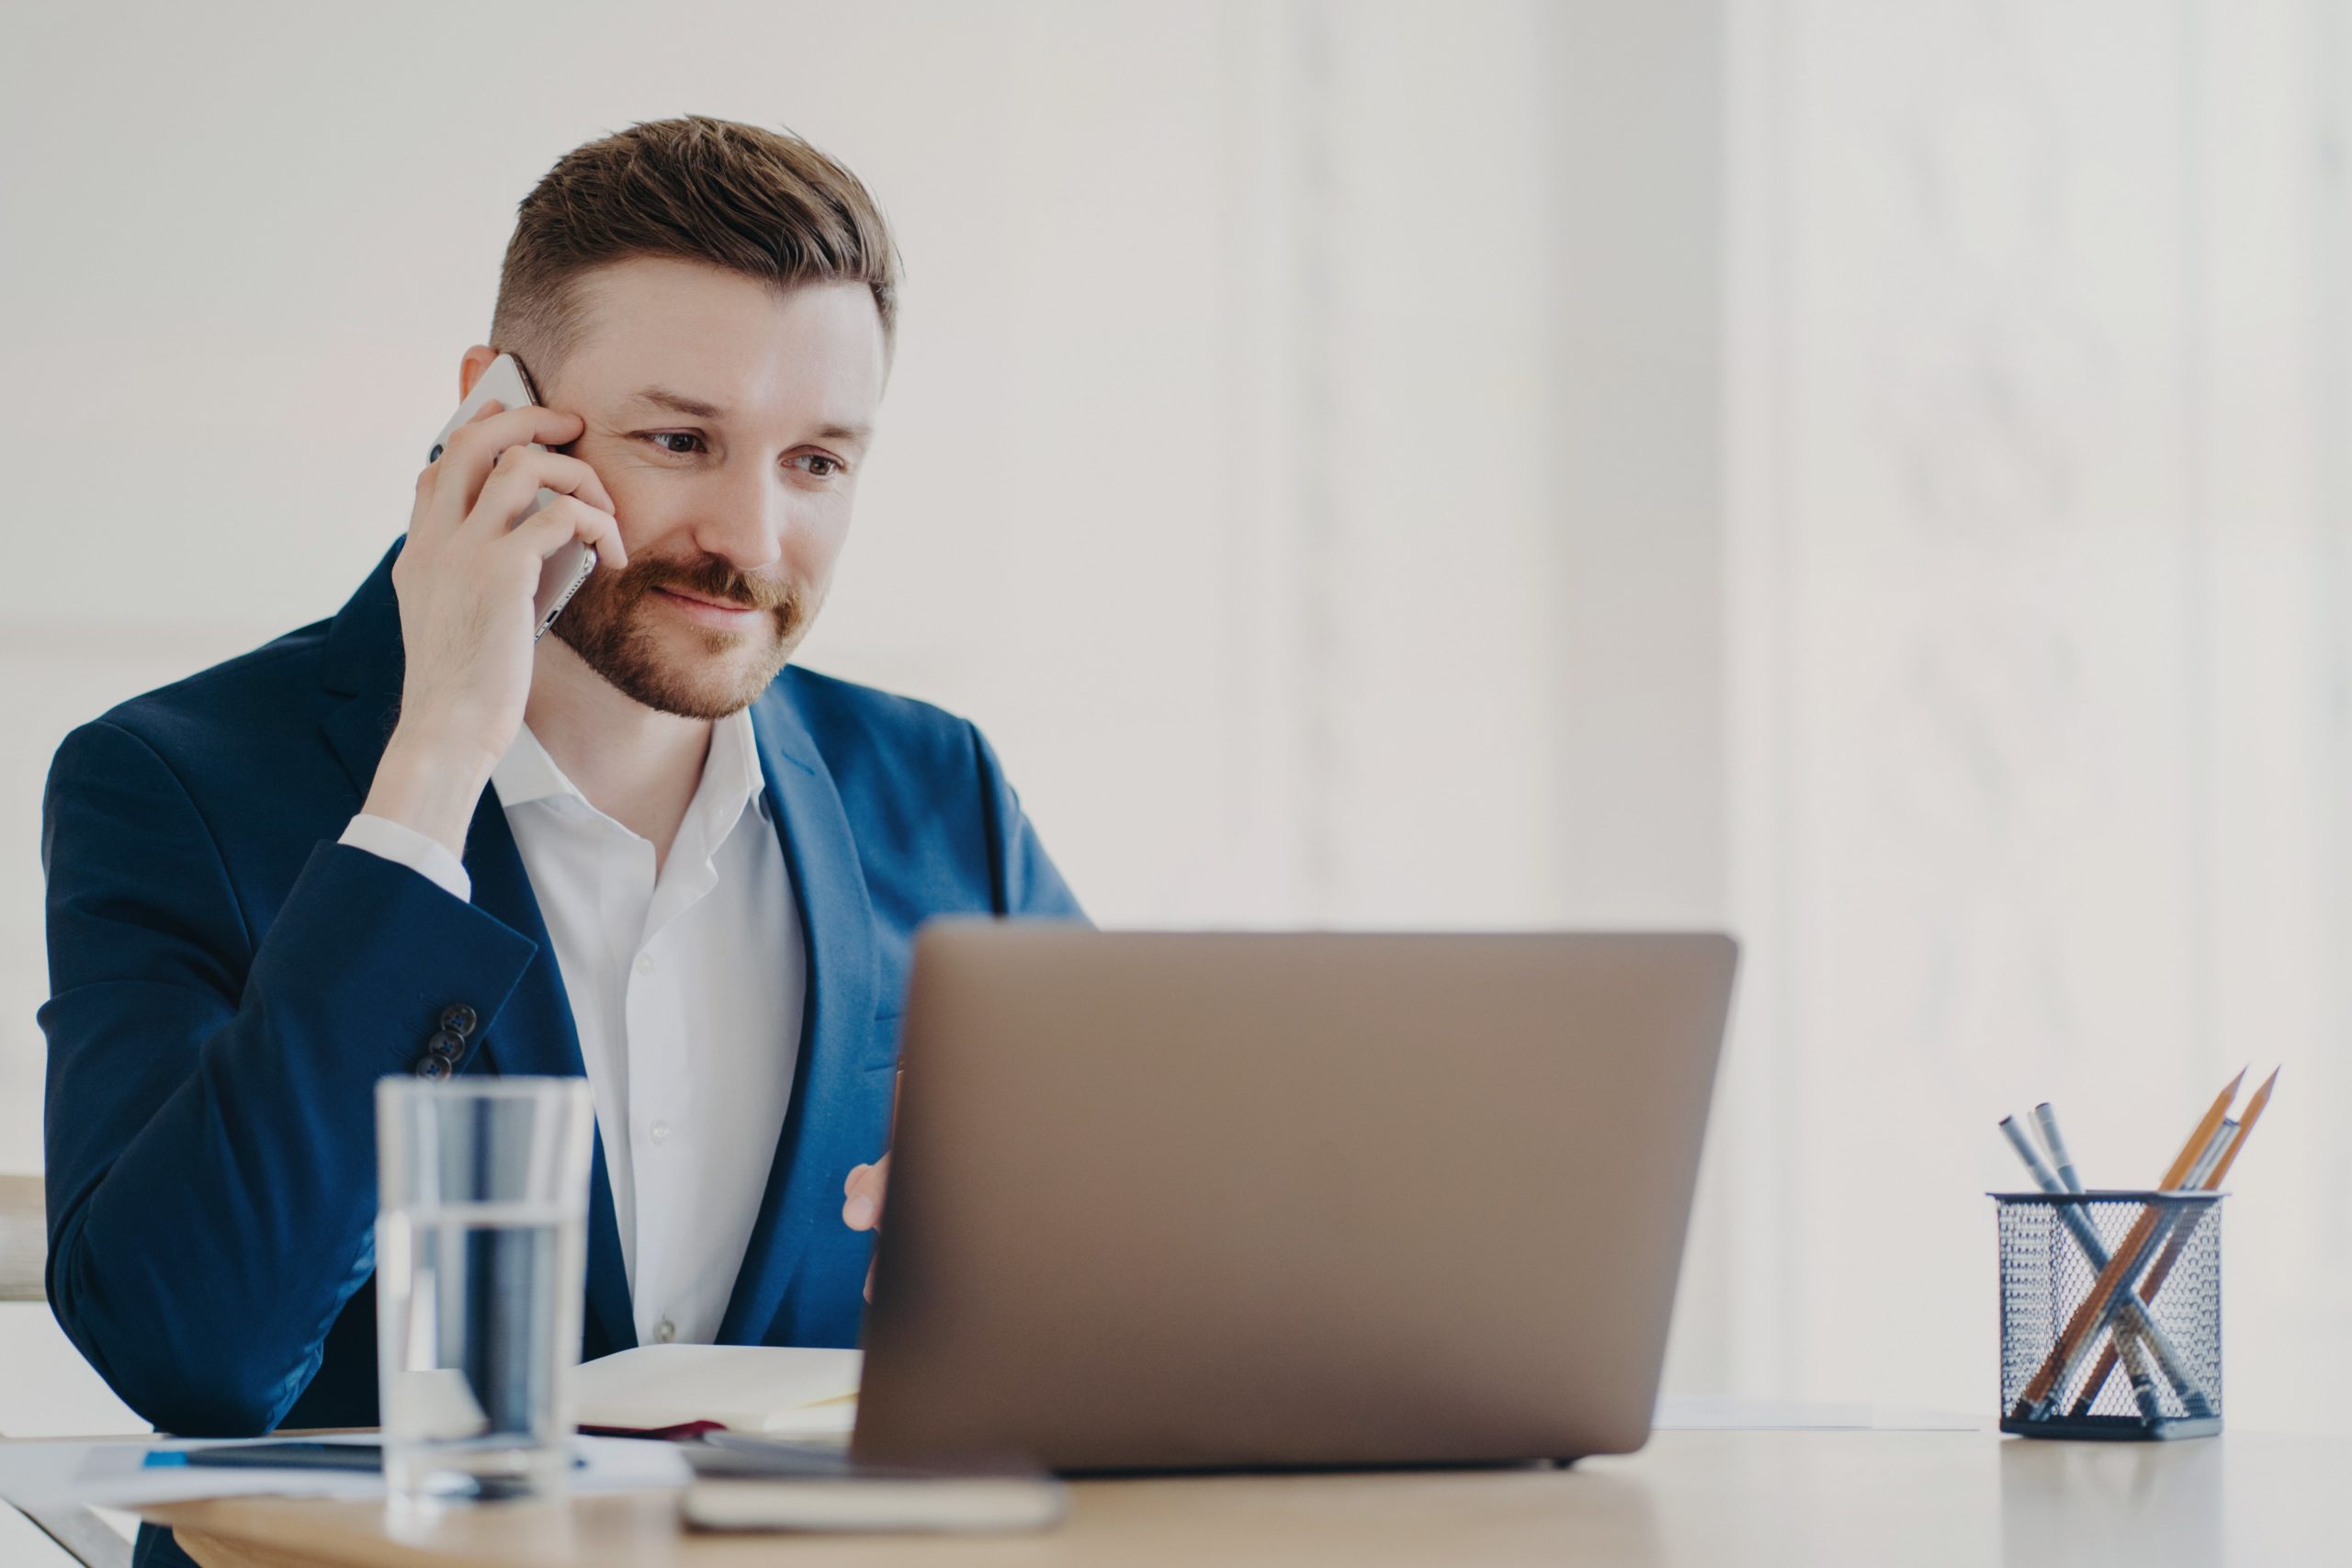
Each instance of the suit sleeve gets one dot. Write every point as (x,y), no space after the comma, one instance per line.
(1023,877)
(210,1124)
(403,845)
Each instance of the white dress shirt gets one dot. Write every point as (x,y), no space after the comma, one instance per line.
(686,991)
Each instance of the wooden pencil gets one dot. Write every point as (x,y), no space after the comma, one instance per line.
(2123,1264)
(2105,1368)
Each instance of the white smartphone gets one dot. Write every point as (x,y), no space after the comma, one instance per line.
(567,568)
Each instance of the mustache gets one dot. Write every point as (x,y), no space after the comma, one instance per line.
(707,578)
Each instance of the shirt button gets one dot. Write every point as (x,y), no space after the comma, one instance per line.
(659,1131)
(664,1331)
(645,965)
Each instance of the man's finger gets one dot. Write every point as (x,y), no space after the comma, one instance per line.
(567,518)
(474,447)
(519,475)
(495,427)
(864,1191)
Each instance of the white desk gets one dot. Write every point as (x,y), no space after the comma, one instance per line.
(1815,1499)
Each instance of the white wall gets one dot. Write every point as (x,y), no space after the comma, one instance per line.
(2038,655)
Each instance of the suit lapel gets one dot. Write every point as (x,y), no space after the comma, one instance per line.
(363,662)
(534,1032)
(828,1124)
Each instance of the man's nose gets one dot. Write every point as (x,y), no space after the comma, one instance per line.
(743,518)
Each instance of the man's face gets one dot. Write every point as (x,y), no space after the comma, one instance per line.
(729,423)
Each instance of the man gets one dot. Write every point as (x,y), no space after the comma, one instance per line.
(408,839)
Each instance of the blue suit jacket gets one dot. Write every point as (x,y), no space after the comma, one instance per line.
(227,983)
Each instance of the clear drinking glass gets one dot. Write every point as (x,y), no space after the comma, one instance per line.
(481,1265)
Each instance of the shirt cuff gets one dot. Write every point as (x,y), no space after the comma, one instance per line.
(403,845)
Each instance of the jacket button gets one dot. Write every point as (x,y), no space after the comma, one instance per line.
(435,1067)
(447,1043)
(459,1019)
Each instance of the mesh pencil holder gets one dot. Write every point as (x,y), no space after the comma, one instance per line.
(2110,1313)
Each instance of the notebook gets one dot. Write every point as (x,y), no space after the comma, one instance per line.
(771,1391)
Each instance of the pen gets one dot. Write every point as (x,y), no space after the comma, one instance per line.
(2078,1224)
(2037,1395)
(276,1456)
(2045,1115)
(2121,1298)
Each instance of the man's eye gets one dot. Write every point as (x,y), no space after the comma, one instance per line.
(828,467)
(661,438)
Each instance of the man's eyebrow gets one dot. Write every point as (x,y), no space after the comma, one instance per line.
(678,402)
(695,408)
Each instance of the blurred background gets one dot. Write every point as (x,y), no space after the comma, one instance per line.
(1868,474)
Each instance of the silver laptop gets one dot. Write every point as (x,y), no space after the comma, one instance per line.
(1211,1201)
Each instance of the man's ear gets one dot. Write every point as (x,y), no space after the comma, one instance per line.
(471,367)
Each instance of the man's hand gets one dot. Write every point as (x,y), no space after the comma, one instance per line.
(863,1209)
(466,581)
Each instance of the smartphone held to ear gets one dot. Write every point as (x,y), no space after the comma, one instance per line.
(566,570)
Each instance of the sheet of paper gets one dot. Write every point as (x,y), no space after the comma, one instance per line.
(772,1389)
(119,1474)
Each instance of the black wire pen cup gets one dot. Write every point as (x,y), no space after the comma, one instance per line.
(2110,1313)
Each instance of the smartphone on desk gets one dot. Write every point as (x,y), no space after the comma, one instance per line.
(566,570)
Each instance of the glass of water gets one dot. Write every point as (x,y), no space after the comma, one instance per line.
(481,1262)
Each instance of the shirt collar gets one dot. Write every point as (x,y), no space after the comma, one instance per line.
(527,773)
(733,766)
(731,773)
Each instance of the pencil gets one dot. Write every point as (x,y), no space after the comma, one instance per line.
(2179,1243)
(2158,1223)
(2120,1266)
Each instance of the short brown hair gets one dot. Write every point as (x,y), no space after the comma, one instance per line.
(763,203)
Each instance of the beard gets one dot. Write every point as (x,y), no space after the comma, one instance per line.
(608,624)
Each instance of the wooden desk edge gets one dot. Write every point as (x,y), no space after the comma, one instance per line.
(217,1534)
